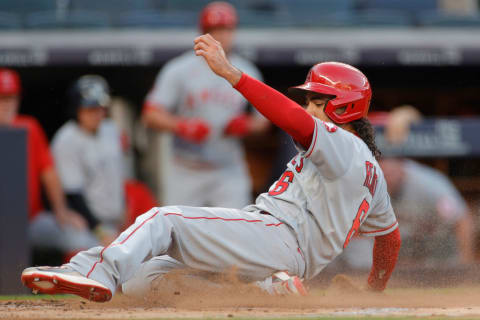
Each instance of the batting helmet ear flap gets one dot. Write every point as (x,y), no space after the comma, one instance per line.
(355,107)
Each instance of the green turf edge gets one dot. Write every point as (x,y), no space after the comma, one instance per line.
(301,317)
(37,297)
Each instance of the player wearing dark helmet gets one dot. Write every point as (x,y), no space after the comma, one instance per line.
(88,154)
(89,91)
(330,191)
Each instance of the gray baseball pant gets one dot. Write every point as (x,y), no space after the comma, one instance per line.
(207,239)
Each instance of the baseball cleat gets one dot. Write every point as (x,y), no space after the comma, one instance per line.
(64,280)
(281,283)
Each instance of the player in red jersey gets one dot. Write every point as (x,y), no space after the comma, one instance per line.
(65,229)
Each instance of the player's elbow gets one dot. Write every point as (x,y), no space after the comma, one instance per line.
(149,115)
(146,118)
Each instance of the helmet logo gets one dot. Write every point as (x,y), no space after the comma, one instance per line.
(343,86)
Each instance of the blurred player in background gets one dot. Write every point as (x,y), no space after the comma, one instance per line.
(64,229)
(331,190)
(88,154)
(435,222)
(208,118)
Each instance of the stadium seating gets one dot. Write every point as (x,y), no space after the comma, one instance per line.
(10,21)
(156,19)
(28,6)
(44,20)
(108,6)
(412,6)
(73,19)
(311,13)
(263,13)
(439,19)
(187,5)
(50,14)
(260,19)
(88,19)
(382,18)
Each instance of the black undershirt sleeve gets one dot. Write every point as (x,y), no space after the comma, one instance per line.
(76,201)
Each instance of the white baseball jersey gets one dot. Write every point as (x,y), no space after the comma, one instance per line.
(92,165)
(329,193)
(186,86)
(428,207)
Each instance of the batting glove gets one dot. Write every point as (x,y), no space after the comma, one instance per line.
(281,283)
(193,130)
(239,126)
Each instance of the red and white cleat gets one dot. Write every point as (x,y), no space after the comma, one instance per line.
(64,280)
(281,283)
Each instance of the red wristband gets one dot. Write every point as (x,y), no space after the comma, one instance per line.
(385,255)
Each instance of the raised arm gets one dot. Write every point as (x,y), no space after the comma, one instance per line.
(276,107)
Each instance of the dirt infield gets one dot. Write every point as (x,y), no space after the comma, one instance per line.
(180,298)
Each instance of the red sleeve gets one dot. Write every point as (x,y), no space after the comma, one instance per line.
(385,255)
(276,107)
(40,144)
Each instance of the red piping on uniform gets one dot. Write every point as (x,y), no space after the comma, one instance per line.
(274,224)
(314,141)
(122,242)
(301,253)
(384,229)
(175,214)
(220,218)
(209,218)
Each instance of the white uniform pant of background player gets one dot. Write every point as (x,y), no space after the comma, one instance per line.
(208,239)
(228,187)
(46,232)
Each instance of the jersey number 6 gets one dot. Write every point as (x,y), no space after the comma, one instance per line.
(287,177)
(282,183)
(359,217)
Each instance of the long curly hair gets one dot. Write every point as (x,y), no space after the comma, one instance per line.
(366,132)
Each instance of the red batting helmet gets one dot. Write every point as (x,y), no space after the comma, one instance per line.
(218,14)
(9,82)
(348,86)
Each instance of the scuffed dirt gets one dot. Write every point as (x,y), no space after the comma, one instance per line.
(181,296)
